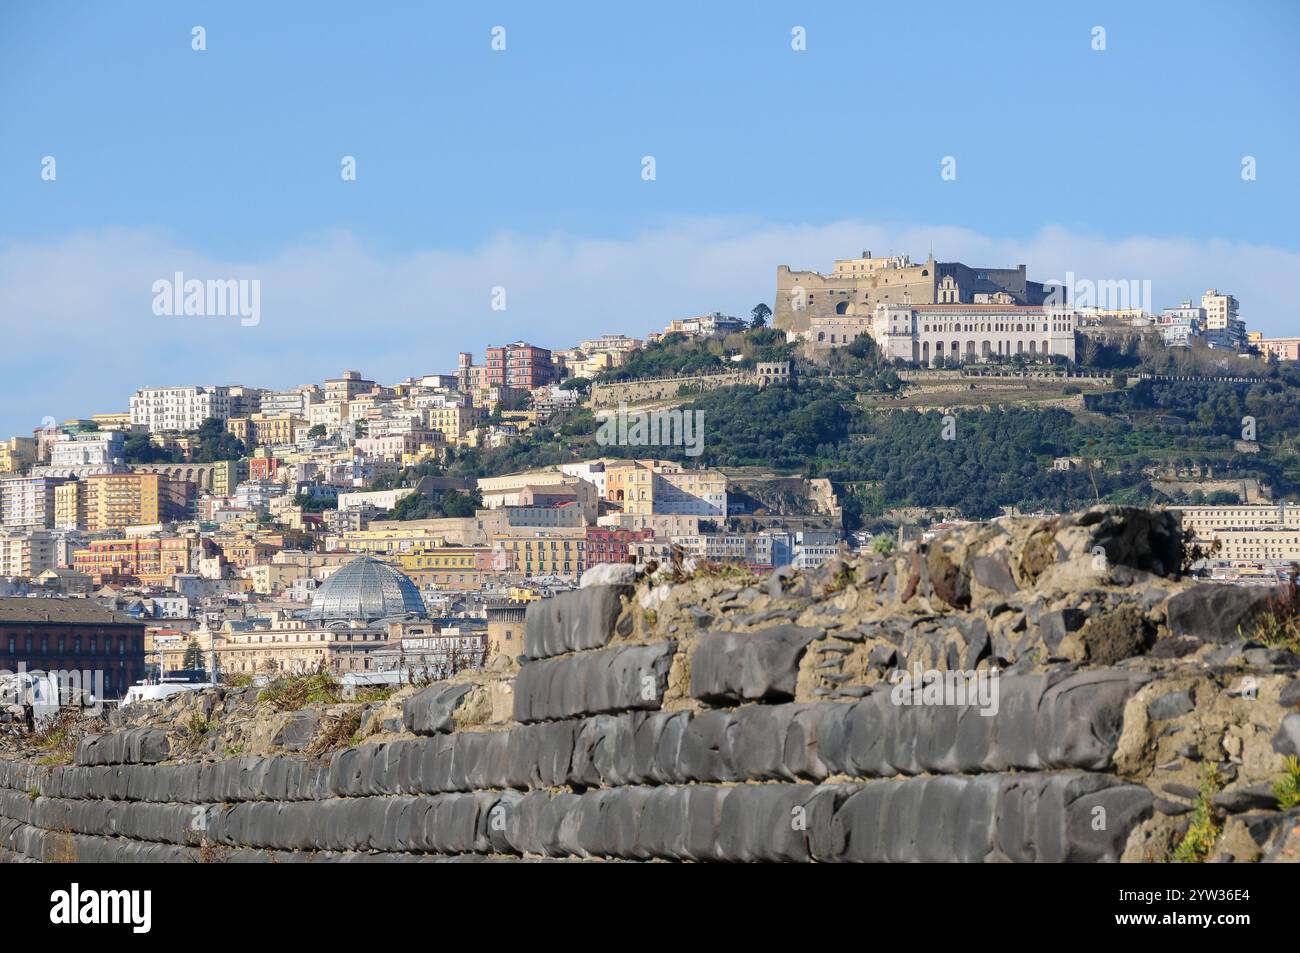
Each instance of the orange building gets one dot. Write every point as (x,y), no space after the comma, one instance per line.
(150,560)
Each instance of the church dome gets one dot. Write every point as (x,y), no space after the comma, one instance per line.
(365,590)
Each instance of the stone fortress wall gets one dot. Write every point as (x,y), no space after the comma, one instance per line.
(718,717)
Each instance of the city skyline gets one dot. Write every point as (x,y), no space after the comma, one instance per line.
(522,174)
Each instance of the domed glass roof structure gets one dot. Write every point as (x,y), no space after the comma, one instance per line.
(365,590)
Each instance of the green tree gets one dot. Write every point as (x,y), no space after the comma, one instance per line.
(194,657)
(216,443)
(759,316)
(455,503)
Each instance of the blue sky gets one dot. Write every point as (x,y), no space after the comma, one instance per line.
(522,169)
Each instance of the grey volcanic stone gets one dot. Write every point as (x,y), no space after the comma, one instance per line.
(132,746)
(994,573)
(1252,797)
(616,679)
(657,742)
(1170,705)
(749,666)
(621,678)
(1215,611)
(540,755)
(573,621)
(298,732)
(1056,625)
(1287,739)
(1087,818)
(1082,716)
(705,752)
(1289,697)
(430,710)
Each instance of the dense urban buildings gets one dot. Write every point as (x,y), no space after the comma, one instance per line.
(275,531)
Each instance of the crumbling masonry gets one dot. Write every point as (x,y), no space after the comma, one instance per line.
(717,716)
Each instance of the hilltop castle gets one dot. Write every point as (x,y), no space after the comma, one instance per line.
(927,312)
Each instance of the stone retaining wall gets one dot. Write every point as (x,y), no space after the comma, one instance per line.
(732,719)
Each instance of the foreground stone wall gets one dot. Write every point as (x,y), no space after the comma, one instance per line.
(714,716)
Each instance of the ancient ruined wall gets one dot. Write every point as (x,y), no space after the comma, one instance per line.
(717,716)
(642,391)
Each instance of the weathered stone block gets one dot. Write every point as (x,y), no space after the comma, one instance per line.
(622,678)
(730,667)
(573,621)
(431,710)
(1217,612)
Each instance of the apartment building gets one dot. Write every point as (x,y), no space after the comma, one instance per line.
(290,403)
(646,487)
(96,448)
(612,544)
(161,409)
(17,453)
(705,324)
(148,559)
(454,567)
(539,487)
(28,501)
(294,646)
(28,553)
(1281,349)
(557,552)
(519,365)
(261,430)
(1263,544)
(350,385)
(109,501)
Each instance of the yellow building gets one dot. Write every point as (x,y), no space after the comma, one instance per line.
(120,421)
(386,537)
(452,567)
(260,430)
(547,553)
(453,422)
(1284,349)
(17,453)
(631,485)
(294,646)
(591,364)
(108,501)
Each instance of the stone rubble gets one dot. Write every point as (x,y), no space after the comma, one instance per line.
(719,716)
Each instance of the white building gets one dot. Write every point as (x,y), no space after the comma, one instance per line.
(28,501)
(28,553)
(87,449)
(293,403)
(178,408)
(930,334)
(1220,310)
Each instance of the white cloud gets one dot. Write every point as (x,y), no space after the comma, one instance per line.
(80,333)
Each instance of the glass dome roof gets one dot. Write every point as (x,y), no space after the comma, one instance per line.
(365,590)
